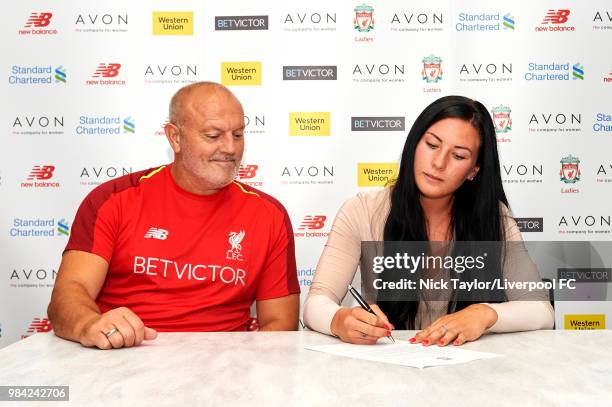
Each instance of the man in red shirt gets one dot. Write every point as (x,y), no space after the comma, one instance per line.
(180,247)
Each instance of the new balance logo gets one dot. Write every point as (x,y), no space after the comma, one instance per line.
(156,233)
(313,222)
(40,172)
(556,16)
(38,20)
(107,70)
(40,325)
(247,171)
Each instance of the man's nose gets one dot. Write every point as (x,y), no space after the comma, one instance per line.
(228,143)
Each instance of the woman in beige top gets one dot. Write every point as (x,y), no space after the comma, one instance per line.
(449,188)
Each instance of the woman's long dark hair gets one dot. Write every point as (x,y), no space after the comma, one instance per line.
(476,213)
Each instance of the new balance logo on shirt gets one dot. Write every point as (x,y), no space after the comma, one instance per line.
(156,233)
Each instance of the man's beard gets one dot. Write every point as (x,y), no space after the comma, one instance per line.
(216,178)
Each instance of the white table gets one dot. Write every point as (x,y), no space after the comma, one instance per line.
(273,369)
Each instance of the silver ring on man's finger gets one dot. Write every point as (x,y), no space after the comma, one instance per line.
(109,333)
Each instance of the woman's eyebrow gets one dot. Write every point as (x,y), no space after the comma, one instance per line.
(440,140)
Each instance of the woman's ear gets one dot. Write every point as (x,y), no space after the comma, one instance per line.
(473,173)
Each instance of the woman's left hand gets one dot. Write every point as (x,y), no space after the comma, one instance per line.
(466,325)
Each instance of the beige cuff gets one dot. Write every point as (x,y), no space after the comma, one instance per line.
(319,311)
(513,316)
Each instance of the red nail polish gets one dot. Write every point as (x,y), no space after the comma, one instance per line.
(456,343)
(440,342)
(387,327)
(388,333)
(426,342)
(412,340)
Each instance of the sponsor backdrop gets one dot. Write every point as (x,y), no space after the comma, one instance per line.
(330,92)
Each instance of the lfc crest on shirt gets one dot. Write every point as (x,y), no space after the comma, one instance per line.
(235,251)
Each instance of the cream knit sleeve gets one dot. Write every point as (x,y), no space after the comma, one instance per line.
(524,310)
(340,258)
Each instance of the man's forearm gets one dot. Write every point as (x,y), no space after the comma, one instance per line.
(70,310)
(279,314)
(279,325)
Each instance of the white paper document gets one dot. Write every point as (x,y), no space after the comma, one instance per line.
(405,354)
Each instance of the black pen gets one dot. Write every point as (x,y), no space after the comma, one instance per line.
(364,304)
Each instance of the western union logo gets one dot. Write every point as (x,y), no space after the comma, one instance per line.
(173,23)
(376,174)
(584,321)
(241,73)
(309,123)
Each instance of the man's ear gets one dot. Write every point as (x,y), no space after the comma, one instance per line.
(173,135)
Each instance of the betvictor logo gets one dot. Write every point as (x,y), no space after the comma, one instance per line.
(392,123)
(310,73)
(224,23)
(530,224)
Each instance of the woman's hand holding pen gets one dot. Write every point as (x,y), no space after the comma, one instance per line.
(459,327)
(356,325)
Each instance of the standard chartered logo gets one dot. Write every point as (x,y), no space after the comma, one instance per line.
(39,227)
(60,74)
(105,125)
(36,75)
(62,227)
(554,71)
(128,125)
(578,71)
